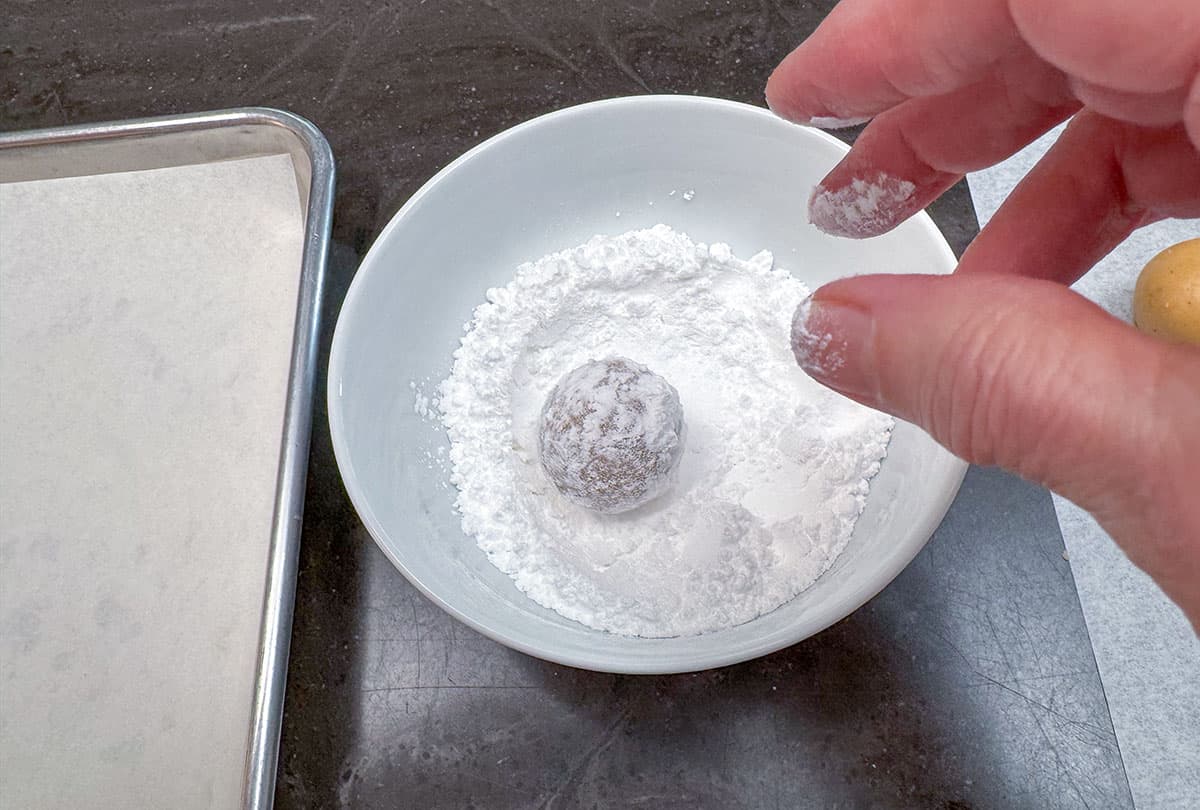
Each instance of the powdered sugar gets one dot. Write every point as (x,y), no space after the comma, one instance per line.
(775,467)
(863,208)
(812,350)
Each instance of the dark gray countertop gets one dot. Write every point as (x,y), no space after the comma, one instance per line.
(970,682)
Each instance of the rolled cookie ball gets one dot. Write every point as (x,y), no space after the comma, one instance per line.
(611,435)
(1166,300)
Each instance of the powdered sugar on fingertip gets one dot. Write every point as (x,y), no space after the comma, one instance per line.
(863,208)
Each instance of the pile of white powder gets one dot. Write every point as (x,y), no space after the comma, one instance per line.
(775,468)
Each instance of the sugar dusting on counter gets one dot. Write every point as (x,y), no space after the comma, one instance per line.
(775,470)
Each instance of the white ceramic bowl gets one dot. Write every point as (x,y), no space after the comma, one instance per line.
(739,175)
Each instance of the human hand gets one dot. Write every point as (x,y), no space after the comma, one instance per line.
(1001,362)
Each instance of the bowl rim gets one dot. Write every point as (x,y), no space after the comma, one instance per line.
(603,661)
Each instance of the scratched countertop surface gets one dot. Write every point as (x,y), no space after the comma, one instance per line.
(969,683)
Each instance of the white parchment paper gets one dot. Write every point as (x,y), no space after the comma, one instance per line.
(146,324)
(1148,656)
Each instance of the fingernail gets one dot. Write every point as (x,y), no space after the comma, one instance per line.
(830,122)
(818,121)
(862,208)
(832,343)
(825,121)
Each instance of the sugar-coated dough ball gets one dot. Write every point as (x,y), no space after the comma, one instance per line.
(611,434)
(1166,300)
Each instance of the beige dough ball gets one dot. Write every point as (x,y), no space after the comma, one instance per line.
(611,434)
(1166,300)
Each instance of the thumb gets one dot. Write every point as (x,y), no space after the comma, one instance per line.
(1027,375)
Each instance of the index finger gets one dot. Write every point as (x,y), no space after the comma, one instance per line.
(867,56)
(870,55)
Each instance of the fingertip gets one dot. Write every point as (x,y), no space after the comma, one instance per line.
(798,107)
(780,95)
(794,95)
(831,341)
(862,207)
(800,335)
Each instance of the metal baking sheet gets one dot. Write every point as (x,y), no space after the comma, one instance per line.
(137,149)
